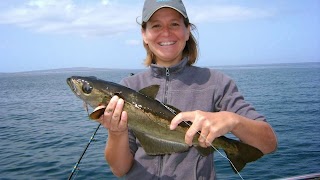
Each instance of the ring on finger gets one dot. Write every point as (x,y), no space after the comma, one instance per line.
(109,110)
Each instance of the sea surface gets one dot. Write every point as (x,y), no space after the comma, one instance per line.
(44,127)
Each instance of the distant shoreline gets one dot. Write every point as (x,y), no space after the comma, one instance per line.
(65,70)
(87,69)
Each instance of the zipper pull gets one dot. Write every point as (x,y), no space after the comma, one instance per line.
(167,72)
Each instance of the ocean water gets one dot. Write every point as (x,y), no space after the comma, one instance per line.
(44,128)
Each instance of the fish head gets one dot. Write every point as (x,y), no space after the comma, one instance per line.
(91,90)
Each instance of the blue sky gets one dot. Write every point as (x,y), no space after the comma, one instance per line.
(50,34)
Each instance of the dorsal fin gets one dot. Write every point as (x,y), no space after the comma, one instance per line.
(150,91)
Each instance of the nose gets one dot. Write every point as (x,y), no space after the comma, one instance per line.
(165,31)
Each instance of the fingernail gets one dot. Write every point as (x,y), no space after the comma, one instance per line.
(114,98)
(120,101)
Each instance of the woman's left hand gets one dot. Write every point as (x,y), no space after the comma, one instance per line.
(210,125)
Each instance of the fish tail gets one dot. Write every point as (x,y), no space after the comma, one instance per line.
(241,154)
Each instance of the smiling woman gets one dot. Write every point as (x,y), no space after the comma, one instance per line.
(207,98)
(165,35)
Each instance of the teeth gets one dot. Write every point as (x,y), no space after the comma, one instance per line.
(166,43)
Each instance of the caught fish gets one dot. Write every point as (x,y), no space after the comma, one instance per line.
(150,119)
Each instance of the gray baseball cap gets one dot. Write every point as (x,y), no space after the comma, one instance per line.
(151,6)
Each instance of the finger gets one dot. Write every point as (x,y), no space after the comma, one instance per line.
(194,128)
(183,116)
(211,136)
(106,117)
(210,139)
(117,114)
(123,124)
(203,136)
(111,106)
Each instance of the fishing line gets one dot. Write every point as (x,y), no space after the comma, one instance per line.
(75,167)
(218,151)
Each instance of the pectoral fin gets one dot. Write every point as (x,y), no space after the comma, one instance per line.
(97,112)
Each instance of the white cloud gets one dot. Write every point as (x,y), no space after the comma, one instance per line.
(105,2)
(67,17)
(108,17)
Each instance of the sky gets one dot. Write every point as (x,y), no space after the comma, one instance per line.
(52,34)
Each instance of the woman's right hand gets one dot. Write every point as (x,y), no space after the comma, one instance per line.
(114,118)
(117,150)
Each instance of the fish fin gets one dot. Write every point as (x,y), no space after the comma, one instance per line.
(85,106)
(156,146)
(243,155)
(97,112)
(204,151)
(150,91)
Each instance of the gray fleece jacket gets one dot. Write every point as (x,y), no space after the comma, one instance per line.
(186,88)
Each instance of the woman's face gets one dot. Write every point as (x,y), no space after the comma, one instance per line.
(166,36)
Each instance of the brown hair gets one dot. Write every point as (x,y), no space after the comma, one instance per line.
(190,50)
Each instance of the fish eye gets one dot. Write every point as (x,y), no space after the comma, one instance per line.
(86,87)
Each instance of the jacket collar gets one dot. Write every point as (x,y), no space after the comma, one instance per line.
(159,71)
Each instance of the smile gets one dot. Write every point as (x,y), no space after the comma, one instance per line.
(166,43)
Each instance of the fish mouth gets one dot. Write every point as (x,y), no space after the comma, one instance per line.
(73,86)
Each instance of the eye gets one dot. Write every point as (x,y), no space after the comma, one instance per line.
(175,24)
(155,26)
(86,87)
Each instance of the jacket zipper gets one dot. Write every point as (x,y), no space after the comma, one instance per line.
(166,86)
(165,102)
(160,166)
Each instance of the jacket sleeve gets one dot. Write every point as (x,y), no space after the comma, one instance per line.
(228,98)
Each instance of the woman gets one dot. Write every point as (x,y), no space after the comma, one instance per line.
(207,98)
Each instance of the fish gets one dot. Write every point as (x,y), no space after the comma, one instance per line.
(149,119)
